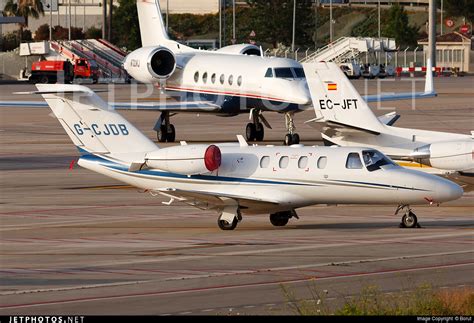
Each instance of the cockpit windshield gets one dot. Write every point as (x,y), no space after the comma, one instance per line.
(374,160)
(299,72)
(285,72)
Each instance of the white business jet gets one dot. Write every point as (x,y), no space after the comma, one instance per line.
(345,119)
(237,179)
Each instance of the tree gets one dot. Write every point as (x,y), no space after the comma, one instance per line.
(126,31)
(397,27)
(25,9)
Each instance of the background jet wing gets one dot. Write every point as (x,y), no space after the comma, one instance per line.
(389,119)
(209,200)
(398,96)
(186,106)
(183,106)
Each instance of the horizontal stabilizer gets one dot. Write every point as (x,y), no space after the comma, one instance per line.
(390,118)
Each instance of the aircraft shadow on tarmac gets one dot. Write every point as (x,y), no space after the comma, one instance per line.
(385,225)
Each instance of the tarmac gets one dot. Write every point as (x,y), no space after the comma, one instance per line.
(76,242)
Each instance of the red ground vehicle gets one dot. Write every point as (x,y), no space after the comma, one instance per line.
(84,69)
(52,72)
(63,71)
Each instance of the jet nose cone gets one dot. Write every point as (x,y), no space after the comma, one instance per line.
(448,191)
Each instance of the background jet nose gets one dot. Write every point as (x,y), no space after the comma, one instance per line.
(447,191)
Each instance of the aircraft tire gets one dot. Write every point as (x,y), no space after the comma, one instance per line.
(250,132)
(224,225)
(295,138)
(259,132)
(162,134)
(171,136)
(288,139)
(279,219)
(409,220)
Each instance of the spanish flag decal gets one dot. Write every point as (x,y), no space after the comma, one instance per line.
(332,86)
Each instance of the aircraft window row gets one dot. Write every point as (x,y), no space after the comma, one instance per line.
(285,160)
(285,72)
(230,79)
(372,159)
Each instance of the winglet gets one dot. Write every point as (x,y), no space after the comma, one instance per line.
(429,86)
(242,141)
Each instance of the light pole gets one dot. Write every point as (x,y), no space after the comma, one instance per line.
(330,21)
(316,25)
(51,20)
(233,22)
(294,17)
(220,23)
(167,13)
(379,16)
(441,22)
(69,20)
(432,31)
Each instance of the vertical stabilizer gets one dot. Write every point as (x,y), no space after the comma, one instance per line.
(336,100)
(90,123)
(152,28)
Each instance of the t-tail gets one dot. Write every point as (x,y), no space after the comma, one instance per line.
(152,28)
(92,125)
(336,101)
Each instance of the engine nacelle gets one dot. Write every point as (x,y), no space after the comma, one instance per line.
(241,49)
(150,64)
(186,160)
(450,155)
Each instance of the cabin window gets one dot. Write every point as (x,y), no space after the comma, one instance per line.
(231,79)
(299,72)
(322,161)
(264,162)
(303,162)
(204,77)
(353,161)
(222,79)
(213,78)
(374,160)
(284,72)
(269,72)
(196,77)
(239,80)
(283,163)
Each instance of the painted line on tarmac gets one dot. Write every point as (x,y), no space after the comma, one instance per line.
(234,286)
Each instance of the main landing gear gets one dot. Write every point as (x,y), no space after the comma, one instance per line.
(230,216)
(255,130)
(280,219)
(291,137)
(409,219)
(165,131)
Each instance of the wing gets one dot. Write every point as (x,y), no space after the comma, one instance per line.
(399,96)
(187,106)
(209,200)
(428,93)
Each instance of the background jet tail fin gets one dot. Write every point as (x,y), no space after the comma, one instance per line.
(335,98)
(429,86)
(90,123)
(152,28)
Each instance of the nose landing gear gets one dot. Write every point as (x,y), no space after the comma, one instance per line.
(291,137)
(409,219)
(165,131)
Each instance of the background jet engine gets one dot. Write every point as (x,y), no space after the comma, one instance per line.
(186,160)
(448,155)
(150,64)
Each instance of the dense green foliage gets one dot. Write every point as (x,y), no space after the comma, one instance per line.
(126,29)
(58,33)
(397,27)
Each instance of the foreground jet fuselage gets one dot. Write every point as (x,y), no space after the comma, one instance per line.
(236,179)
